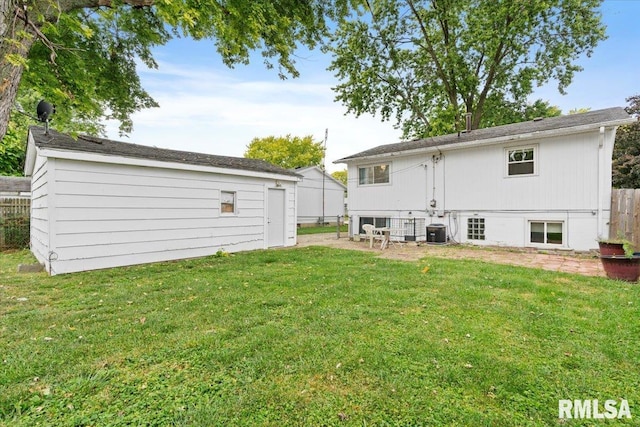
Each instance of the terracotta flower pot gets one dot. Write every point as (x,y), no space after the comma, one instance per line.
(611,248)
(620,267)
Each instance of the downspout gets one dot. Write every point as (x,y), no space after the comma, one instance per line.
(426,188)
(600,192)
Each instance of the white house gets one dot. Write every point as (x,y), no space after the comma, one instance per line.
(320,196)
(98,203)
(545,183)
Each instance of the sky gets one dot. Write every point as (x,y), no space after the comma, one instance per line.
(207,107)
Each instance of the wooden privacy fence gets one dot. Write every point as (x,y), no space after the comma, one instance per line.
(625,215)
(14,222)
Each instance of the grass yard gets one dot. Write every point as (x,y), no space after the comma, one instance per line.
(322,229)
(313,336)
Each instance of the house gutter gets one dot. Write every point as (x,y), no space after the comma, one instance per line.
(601,167)
(135,161)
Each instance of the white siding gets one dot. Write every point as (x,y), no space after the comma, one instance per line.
(408,188)
(310,198)
(110,215)
(291,195)
(572,185)
(566,177)
(39,212)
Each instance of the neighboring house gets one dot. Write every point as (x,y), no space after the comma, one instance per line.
(98,203)
(15,186)
(320,196)
(545,183)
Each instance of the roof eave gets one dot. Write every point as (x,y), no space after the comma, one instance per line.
(496,140)
(135,161)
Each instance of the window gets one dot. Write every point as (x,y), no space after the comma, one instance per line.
(475,229)
(375,174)
(376,222)
(546,232)
(520,161)
(227,201)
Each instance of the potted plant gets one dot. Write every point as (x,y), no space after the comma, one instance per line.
(618,246)
(619,259)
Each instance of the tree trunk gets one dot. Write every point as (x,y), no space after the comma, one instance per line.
(16,39)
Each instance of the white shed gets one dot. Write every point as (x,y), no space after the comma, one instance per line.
(320,196)
(98,203)
(543,183)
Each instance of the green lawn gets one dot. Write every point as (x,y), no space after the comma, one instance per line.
(322,229)
(313,336)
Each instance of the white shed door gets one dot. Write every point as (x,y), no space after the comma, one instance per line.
(275,217)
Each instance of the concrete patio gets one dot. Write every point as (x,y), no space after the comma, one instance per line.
(585,264)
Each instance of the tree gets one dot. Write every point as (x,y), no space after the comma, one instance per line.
(286,151)
(340,176)
(81,54)
(626,150)
(513,112)
(425,63)
(580,110)
(12,150)
(13,145)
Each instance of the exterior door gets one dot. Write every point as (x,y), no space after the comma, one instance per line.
(275,218)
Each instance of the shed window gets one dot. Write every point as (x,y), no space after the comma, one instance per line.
(521,161)
(227,201)
(546,232)
(373,174)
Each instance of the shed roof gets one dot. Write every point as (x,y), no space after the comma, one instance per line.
(609,116)
(90,144)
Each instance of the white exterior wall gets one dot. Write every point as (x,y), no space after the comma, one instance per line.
(39,223)
(110,214)
(572,184)
(310,198)
(409,187)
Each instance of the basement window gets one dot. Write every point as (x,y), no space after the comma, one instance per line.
(228,202)
(521,161)
(546,232)
(377,222)
(475,228)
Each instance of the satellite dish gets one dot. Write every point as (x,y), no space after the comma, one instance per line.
(45,111)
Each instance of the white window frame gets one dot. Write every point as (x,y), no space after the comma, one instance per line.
(372,167)
(545,223)
(235,202)
(508,161)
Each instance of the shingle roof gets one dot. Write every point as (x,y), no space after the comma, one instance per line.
(15,184)
(595,118)
(301,171)
(90,144)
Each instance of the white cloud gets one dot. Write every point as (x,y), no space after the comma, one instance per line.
(211,109)
(210,112)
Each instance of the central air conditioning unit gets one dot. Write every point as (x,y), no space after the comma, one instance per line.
(437,233)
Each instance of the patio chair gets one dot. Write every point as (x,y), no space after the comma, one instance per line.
(368,229)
